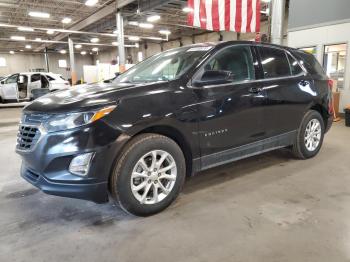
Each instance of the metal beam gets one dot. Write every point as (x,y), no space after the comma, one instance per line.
(277,19)
(120,39)
(72,61)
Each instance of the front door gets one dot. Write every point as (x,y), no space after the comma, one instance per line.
(9,88)
(230,114)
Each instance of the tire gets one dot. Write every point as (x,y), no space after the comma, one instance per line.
(302,147)
(130,171)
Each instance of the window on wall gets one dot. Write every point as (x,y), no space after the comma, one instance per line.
(334,61)
(2,62)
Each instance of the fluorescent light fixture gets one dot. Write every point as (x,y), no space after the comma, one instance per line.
(63,52)
(66,20)
(155,38)
(50,32)
(12,52)
(94,40)
(146,25)
(21,50)
(18,38)
(135,23)
(95,49)
(266,1)
(83,52)
(115,43)
(91,2)
(164,32)
(115,32)
(28,46)
(23,28)
(38,39)
(187,9)
(137,45)
(153,18)
(78,46)
(134,38)
(39,14)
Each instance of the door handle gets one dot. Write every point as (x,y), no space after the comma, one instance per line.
(255,90)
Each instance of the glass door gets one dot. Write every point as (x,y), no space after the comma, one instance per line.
(334,61)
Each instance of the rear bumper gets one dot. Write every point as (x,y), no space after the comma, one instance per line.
(96,192)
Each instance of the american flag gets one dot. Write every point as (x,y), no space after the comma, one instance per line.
(225,15)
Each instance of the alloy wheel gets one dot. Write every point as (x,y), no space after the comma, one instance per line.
(312,135)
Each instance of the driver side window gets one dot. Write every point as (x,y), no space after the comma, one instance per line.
(12,79)
(236,59)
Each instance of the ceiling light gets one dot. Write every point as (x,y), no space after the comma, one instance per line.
(137,45)
(135,23)
(164,32)
(153,18)
(95,49)
(50,32)
(187,9)
(146,25)
(28,46)
(12,52)
(63,52)
(83,52)
(39,14)
(78,46)
(91,2)
(23,28)
(134,38)
(94,40)
(66,20)
(38,39)
(115,32)
(21,50)
(18,38)
(115,43)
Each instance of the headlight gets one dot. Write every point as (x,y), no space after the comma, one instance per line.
(71,120)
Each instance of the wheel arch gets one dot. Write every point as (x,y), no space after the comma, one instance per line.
(178,137)
(323,112)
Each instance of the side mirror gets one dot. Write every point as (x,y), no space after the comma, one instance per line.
(214,77)
(2,82)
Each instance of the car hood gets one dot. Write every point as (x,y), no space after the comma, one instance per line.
(85,97)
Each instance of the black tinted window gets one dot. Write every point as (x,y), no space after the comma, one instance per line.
(294,66)
(237,59)
(35,78)
(274,62)
(310,63)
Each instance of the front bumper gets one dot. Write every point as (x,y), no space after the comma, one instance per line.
(46,165)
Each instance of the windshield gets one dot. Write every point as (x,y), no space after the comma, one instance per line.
(165,66)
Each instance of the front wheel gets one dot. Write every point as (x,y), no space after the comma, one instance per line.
(310,135)
(148,175)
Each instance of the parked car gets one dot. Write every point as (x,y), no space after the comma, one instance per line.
(20,86)
(176,113)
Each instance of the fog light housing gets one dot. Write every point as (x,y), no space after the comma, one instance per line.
(80,164)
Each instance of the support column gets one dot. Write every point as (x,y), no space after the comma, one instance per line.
(277,19)
(72,62)
(120,39)
(46,60)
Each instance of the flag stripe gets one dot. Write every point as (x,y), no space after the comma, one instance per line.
(230,15)
(249,15)
(209,19)
(215,10)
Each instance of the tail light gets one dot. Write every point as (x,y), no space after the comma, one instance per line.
(330,97)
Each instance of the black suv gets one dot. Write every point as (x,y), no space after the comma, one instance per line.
(176,113)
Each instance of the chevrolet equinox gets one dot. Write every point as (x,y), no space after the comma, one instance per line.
(176,113)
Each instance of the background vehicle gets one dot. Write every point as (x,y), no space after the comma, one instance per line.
(19,86)
(174,114)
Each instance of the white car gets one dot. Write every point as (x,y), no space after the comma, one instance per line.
(20,86)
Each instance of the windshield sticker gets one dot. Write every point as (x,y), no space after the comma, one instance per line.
(199,48)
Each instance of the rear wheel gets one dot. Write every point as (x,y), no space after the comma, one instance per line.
(149,175)
(309,139)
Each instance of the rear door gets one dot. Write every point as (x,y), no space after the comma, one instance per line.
(289,90)
(230,115)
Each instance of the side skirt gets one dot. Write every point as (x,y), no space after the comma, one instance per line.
(245,151)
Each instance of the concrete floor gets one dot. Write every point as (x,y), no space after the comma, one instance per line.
(265,208)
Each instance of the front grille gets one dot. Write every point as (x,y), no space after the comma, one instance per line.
(27,137)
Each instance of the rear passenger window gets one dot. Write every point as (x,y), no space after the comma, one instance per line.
(274,62)
(294,66)
(35,78)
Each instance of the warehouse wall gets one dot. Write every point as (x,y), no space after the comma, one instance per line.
(323,12)
(22,62)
